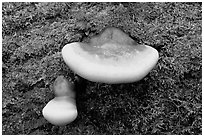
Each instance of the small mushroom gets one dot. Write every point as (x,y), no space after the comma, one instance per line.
(111,57)
(62,109)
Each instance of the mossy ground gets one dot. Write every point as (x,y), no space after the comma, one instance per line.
(167,101)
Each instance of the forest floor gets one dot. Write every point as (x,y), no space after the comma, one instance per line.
(167,101)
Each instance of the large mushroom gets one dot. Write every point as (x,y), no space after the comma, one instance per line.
(111,57)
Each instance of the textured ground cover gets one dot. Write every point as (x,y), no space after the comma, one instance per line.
(167,101)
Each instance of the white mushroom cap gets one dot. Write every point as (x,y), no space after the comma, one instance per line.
(112,57)
(60,111)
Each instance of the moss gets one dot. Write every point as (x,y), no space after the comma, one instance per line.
(167,101)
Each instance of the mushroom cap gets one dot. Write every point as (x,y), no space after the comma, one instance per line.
(63,88)
(60,111)
(112,57)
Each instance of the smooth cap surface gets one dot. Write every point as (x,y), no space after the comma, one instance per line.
(60,111)
(111,57)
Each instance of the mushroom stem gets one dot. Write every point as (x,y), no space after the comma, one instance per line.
(80,85)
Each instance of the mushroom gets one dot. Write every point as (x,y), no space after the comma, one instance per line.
(62,109)
(111,57)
